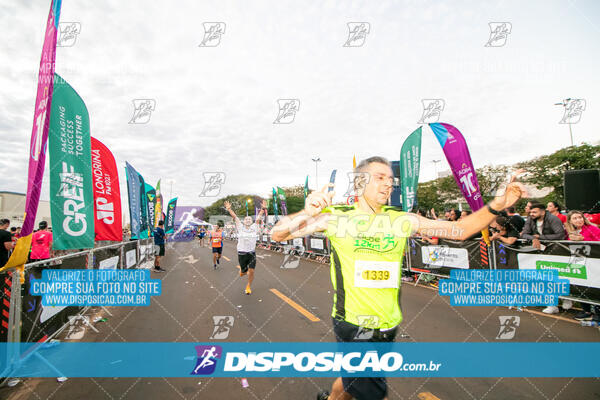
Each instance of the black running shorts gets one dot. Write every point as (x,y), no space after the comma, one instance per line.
(363,388)
(247,260)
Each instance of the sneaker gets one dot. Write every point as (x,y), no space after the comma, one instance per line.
(323,395)
(248,290)
(583,316)
(215,266)
(218,259)
(567,304)
(550,310)
(158,270)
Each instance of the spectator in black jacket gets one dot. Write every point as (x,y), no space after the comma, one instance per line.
(542,225)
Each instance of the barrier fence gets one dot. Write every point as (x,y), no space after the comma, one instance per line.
(313,247)
(579,262)
(24,319)
(447,255)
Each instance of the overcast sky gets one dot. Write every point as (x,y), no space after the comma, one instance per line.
(215,106)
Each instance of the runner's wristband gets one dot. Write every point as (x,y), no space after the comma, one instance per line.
(491,210)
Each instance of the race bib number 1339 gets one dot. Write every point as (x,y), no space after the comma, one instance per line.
(376,274)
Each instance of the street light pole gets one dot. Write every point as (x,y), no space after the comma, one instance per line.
(571,132)
(435,167)
(316,160)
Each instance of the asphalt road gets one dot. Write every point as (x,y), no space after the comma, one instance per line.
(193,293)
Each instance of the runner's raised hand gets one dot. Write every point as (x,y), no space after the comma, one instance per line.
(318,200)
(514,191)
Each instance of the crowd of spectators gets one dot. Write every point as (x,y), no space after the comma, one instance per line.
(41,241)
(540,223)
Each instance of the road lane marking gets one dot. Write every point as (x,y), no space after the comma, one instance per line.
(226,258)
(427,396)
(295,305)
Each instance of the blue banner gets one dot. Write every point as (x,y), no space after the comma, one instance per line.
(225,359)
(133,191)
(144,226)
(504,287)
(95,287)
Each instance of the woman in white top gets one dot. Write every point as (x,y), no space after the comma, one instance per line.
(246,246)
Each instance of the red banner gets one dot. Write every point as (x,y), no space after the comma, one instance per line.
(107,196)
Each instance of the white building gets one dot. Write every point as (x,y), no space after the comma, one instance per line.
(12,206)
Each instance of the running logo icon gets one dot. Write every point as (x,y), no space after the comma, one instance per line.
(223,324)
(212,183)
(287,111)
(499,32)
(357,181)
(142,110)
(207,359)
(212,34)
(508,327)
(290,259)
(576,267)
(432,109)
(357,34)
(366,326)
(70,181)
(67,34)
(573,110)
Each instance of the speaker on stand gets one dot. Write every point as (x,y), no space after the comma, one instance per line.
(582,190)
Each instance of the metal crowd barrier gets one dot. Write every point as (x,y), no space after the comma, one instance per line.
(23,319)
(439,259)
(313,247)
(579,262)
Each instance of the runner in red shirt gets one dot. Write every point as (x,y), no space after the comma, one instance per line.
(41,243)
